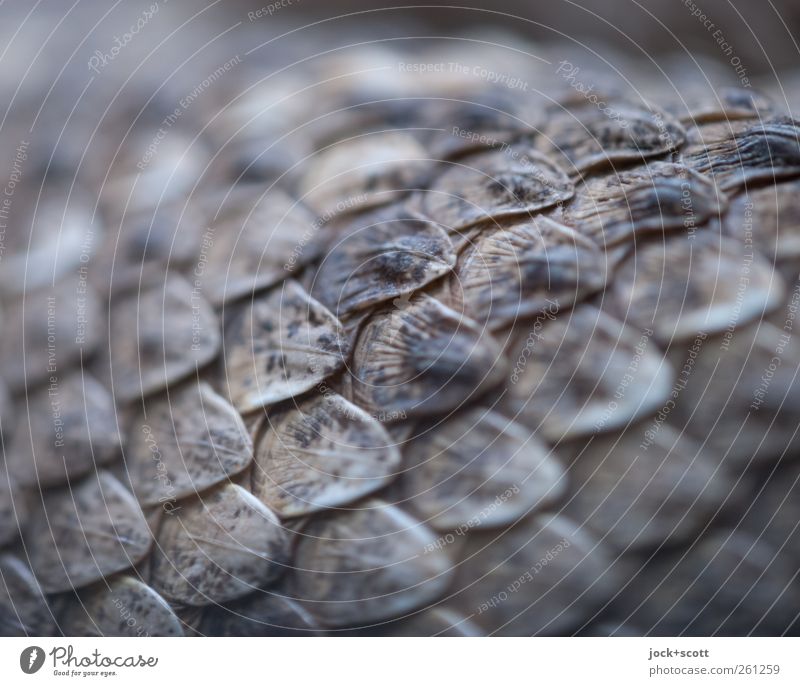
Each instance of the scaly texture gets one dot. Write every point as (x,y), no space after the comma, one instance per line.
(394,353)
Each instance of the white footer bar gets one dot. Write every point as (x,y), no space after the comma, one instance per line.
(400,662)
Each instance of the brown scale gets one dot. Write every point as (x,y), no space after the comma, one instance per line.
(706,133)
(492,185)
(381,569)
(79,535)
(257,247)
(282,345)
(122,606)
(386,572)
(422,357)
(680,286)
(559,573)
(635,499)
(770,218)
(268,612)
(388,256)
(681,592)
(71,430)
(568,375)
(159,335)
(24,610)
(765,152)
(218,547)
(775,508)
(702,105)
(143,245)
(363,172)
(61,236)
(649,200)
(321,452)
(743,419)
(497,116)
(463,464)
(586,139)
(56,327)
(184,442)
(169,175)
(521,270)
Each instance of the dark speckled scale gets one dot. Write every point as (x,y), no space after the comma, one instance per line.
(122,606)
(218,547)
(275,351)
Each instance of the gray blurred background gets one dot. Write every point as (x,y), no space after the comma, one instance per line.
(764,31)
(48,87)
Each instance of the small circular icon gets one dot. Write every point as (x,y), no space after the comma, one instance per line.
(31,659)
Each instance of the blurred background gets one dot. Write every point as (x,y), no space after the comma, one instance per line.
(82,66)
